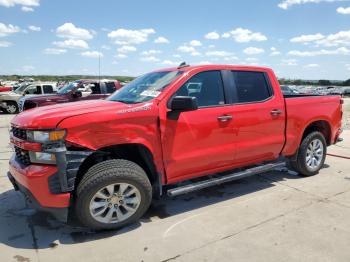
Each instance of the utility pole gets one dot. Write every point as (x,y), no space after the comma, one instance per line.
(99,67)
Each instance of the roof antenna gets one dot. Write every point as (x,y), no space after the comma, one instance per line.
(183,64)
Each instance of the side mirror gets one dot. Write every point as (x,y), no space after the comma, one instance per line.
(183,103)
(77,94)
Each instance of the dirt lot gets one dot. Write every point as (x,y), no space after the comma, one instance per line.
(276,216)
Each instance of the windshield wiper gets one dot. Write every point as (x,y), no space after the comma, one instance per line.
(124,101)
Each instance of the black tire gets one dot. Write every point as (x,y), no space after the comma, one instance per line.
(13,105)
(299,164)
(107,173)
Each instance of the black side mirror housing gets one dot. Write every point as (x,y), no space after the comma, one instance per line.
(77,94)
(184,103)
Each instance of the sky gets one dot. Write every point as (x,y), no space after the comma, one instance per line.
(307,39)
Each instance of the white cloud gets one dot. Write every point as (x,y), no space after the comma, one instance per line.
(195,53)
(289,62)
(288,3)
(252,59)
(204,63)
(5,44)
(92,54)
(253,51)
(337,39)
(34,28)
(275,53)
(27,68)
(9,29)
(311,66)
(338,51)
(27,9)
(218,53)
(106,47)
(212,35)
(307,38)
(230,58)
(242,35)
(177,56)
(347,66)
(343,10)
(151,52)
(186,49)
(123,36)
(122,56)
(11,3)
(72,43)
(195,43)
(54,51)
(70,31)
(226,35)
(161,40)
(149,59)
(170,63)
(126,49)
(340,38)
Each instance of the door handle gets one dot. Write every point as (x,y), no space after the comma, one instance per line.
(276,112)
(224,118)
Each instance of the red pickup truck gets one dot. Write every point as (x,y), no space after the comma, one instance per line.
(106,159)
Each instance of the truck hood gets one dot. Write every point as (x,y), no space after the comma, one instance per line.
(44,98)
(9,94)
(50,116)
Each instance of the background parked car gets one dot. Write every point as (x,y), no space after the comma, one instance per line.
(9,100)
(85,89)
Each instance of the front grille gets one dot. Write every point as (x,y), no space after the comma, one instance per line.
(28,105)
(19,133)
(22,156)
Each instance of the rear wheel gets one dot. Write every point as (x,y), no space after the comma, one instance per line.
(311,154)
(112,194)
(11,107)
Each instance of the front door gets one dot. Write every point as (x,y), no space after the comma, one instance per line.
(199,142)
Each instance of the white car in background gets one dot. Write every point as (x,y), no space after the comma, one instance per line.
(11,102)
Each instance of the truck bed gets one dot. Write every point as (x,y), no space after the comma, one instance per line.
(301,110)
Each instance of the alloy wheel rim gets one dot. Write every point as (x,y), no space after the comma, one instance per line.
(314,154)
(11,108)
(115,203)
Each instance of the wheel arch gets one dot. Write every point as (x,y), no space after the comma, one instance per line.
(322,126)
(137,153)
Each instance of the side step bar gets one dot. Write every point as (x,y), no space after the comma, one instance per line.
(225,178)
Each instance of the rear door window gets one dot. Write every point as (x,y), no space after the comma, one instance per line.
(48,89)
(110,87)
(251,87)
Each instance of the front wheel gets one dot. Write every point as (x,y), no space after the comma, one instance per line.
(11,108)
(311,154)
(112,194)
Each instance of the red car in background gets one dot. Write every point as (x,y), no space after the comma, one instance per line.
(5,88)
(84,89)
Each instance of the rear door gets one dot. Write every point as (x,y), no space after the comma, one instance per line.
(258,117)
(199,142)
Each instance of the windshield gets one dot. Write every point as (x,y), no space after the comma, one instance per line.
(67,88)
(20,90)
(145,88)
